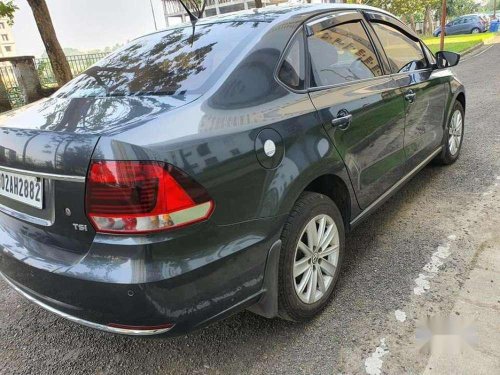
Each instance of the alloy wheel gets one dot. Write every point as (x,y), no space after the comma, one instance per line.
(455,132)
(316,259)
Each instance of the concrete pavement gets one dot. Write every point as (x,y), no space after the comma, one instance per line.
(477,307)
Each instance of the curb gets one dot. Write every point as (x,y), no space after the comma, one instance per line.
(472,49)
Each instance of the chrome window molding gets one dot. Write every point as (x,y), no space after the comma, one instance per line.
(346,84)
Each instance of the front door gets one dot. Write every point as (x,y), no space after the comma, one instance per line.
(423,88)
(361,108)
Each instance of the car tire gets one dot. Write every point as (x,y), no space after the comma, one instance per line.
(452,144)
(438,34)
(312,210)
(475,30)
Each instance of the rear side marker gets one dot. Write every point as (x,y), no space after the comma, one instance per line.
(137,197)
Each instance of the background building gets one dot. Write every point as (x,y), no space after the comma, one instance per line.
(7,43)
(174,12)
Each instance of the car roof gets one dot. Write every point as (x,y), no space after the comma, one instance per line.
(285,11)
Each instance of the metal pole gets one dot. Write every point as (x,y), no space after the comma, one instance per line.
(443,25)
(495,9)
(153,12)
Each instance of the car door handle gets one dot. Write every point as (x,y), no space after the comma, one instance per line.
(342,120)
(410,96)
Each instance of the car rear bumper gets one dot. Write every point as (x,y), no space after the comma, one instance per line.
(30,296)
(153,296)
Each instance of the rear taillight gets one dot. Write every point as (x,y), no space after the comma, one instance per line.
(132,197)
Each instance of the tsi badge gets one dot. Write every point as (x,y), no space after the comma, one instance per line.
(80,227)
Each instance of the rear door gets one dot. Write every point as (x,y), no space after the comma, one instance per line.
(424,89)
(465,26)
(361,107)
(453,27)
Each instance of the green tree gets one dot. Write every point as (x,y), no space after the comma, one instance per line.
(430,7)
(408,9)
(456,8)
(398,7)
(58,60)
(7,9)
(490,6)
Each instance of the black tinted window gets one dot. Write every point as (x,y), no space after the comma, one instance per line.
(174,62)
(404,53)
(292,71)
(342,54)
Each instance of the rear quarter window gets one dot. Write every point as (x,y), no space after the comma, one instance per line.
(292,71)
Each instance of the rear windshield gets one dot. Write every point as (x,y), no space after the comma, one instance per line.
(174,62)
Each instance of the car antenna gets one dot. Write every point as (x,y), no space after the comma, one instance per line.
(192,17)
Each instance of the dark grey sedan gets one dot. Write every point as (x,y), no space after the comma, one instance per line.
(204,170)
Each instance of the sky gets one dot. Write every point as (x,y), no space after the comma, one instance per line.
(87,24)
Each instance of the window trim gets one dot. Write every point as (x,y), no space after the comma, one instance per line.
(332,19)
(349,83)
(372,16)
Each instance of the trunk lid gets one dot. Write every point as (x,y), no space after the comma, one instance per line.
(52,142)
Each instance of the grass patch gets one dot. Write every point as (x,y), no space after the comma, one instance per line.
(457,43)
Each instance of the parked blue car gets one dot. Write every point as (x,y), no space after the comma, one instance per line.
(470,24)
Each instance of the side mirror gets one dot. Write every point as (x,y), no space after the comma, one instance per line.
(446,59)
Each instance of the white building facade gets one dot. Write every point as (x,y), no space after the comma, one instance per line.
(7,43)
(175,13)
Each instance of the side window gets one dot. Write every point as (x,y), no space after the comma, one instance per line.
(404,53)
(430,56)
(292,72)
(342,54)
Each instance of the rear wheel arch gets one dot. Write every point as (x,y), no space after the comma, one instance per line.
(337,190)
(329,184)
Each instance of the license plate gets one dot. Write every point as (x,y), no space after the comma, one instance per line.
(22,188)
